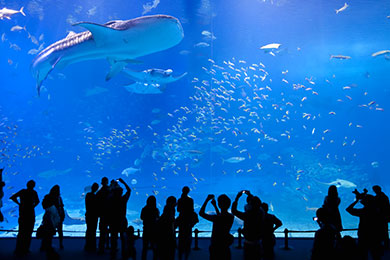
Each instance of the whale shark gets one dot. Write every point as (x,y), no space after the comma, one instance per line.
(119,41)
(150,81)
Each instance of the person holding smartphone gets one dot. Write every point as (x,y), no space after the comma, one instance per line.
(253,218)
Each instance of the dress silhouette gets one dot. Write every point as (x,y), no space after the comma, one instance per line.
(149,216)
(331,204)
(166,238)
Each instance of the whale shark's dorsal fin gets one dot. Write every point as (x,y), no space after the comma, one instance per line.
(70,34)
(100,33)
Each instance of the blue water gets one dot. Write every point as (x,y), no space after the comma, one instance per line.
(82,128)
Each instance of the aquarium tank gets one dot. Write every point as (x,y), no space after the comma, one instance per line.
(280,97)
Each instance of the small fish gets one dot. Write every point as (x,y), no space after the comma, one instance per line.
(378,53)
(270,46)
(345,6)
(17,28)
(234,159)
(202,44)
(340,57)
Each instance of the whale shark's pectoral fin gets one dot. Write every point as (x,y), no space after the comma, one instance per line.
(42,76)
(117,66)
(100,33)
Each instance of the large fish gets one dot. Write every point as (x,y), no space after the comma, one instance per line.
(7,13)
(150,81)
(120,42)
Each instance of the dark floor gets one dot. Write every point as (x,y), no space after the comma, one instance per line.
(74,250)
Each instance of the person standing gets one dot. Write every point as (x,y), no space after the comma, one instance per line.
(253,218)
(382,202)
(185,222)
(149,216)
(324,246)
(102,201)
(221,239)
(166,237)
(331,204)
(2,184)
(117,217)
(28,200)
(271,223)
(369,240)
(59,204)
(91,218)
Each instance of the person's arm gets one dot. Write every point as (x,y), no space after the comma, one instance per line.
(351,210)
(214,203)
(15,197)
(277,223)
(202,212)
(128,190)
(36,200)
(235,212)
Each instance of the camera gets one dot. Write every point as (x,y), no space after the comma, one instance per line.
(359,195)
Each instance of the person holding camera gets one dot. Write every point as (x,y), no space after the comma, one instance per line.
(117,221)
(221,239)
(253,230)
(369,225)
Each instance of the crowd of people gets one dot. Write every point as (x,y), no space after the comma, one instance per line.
(106,208)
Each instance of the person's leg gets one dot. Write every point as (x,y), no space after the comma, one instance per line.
(94,223)
(20,237)
(88,234)
(124,247)
(145,245)
(114,241)
(60,236)
(29,231)
(103,234)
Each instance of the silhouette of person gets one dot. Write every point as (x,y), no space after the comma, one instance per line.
(59,204)
(221,239)
(369,225)
(325,238)
(91,218)
(347,249)
(28,200)
(382,202)
(253,218)
(185,207)
(271,223)
(102,200)
(131,252)
(149,216)
(331,204)
(2,184)
(166,239)
(50,221)
(117,216)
